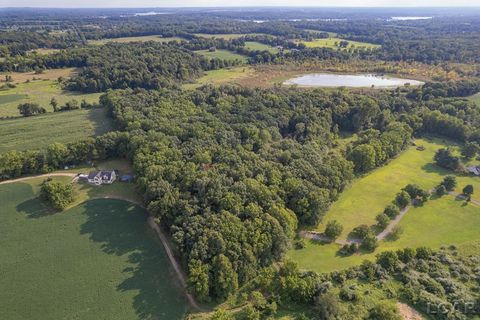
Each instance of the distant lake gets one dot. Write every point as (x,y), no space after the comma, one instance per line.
(410,18)
(349,80)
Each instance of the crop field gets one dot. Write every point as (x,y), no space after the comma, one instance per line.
(222,54)
(221,76)
(97,260)
(156,38)
(438,222)
(334,42)
(253,45)
(41,92)
(39,131)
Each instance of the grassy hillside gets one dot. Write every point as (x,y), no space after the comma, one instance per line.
(98,260)
(39,131)
(222,54)
(41,92)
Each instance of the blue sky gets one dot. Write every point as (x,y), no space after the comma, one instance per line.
(222,3)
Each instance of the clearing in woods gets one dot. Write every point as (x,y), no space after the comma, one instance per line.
(452,219)
(156,38)
(37,132)
(222,54)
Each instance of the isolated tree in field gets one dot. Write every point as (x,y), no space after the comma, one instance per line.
(57,194)
(382,220)
(391,211)
(361,231)
(469,150)
(468,190)
(30,109)
(449,182)
(402,199)
(333,229)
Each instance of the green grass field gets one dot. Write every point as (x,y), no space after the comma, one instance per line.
(476,98)
(253,45)
(39,131)
(135,39)
(226,36)
(437,222)
(38,91)
(98,260)
(221,76)
(333,43)
(222,54)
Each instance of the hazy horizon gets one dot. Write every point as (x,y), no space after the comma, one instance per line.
(246,3)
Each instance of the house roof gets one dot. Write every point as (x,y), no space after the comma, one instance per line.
(104,174)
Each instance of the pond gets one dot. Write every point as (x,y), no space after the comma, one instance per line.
(349,80)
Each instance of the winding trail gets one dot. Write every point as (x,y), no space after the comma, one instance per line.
(151,222)
(46,175)
(319,236)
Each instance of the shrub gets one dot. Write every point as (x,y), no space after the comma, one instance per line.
(383,311)
(441,190)
(333,229)
(361,231)
(395,233)
(450,182)
(382,221)
(468,190)
(370,242)
(391,211)
(402,199)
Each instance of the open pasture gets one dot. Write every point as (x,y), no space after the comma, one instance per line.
(97,260)
(221,76)
(226,36)
(222,54)
(253,45)
(50,74)
(334,43)
(41,92)
(438,222)
(33,133)
(156,38)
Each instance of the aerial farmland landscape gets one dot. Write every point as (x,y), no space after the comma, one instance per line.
(166,160)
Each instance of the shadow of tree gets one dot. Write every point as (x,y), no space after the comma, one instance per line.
(34,209)
(122,230)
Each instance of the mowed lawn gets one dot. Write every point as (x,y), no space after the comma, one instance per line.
(438,222)
(334,42)
(367,196)
(40,92)
(222,54)
(32,133)
(156,38)
(221,76)
(98,260)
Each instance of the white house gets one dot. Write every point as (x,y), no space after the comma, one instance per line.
(102,177)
